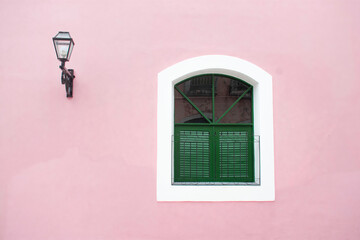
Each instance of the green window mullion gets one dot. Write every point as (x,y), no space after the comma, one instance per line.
(212,155)
(217,155)
(213,98)
(253,137)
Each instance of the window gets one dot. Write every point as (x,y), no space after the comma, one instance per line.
(213,131)
(215,128)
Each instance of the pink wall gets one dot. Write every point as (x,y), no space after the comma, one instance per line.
(85,168)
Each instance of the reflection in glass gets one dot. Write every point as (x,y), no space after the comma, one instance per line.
(240,113)
(228,91)
(199,90)
(185,112)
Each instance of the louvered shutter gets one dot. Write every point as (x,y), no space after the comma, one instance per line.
(213,131)
(234,151)
(193,154)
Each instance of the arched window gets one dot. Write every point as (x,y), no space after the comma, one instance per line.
(211,109)
(213,131)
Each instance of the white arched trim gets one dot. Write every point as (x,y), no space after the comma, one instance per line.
(263,126)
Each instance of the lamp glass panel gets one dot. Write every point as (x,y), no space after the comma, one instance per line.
(63,35)
(62,48)
(70,51)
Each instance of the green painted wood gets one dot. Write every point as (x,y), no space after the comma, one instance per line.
(213,98)
(234,154)
(214,152)
(217,74)
(193,154)
(213,124)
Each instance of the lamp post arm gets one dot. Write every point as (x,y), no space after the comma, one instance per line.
(67,78)
(68,73)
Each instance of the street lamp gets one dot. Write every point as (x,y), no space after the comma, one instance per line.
(64,45)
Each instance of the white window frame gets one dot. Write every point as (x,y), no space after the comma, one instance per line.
(263,126)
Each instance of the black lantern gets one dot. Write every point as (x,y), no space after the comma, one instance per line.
(64,45)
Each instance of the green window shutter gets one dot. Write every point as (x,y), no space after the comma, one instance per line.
(193,154)
(213,131)
(234,147)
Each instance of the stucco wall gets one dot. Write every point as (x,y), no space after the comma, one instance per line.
(85,168)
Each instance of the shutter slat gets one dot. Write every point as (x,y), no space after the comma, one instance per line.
(233,154)
(194,158)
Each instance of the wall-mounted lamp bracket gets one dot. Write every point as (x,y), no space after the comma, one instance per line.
(67,78)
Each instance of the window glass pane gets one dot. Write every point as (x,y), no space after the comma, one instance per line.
(241,112)
(228,91)
(185,112)
(199,91)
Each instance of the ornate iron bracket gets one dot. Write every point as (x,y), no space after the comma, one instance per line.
(67,78)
